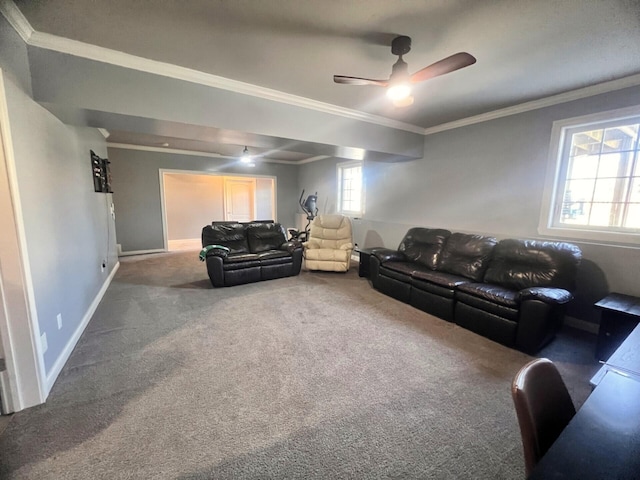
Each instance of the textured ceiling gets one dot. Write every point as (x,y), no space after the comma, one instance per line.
(525,49)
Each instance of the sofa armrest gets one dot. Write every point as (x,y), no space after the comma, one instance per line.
(388,255)
(213,251)
(346,246)
(557,296)
(291,246)
(215,269)
(539,320)
(311,244)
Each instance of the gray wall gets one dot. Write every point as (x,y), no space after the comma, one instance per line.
(321,177)
(264,198)
(136,186)
(489,178)
(67,225)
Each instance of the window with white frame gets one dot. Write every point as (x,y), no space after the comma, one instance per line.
(596,189)
(350,193)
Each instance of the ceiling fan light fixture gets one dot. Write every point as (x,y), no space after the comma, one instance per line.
(399,91)
(399,83)
(405,102)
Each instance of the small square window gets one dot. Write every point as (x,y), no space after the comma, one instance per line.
(350,191)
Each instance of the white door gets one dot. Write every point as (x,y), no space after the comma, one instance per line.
(239,195)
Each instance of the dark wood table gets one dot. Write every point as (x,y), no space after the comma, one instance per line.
(625,360)
(365,255)
(620,314)
(602,441)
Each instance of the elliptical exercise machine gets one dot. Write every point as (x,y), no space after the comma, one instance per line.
(310,208)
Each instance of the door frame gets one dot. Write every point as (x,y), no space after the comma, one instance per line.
(162,171)
(24,380)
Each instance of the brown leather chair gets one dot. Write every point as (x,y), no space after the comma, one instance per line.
(543,406)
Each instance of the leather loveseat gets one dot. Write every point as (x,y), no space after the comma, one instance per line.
(514,291)
(238,253)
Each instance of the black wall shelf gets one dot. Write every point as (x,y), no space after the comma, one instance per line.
(101,174)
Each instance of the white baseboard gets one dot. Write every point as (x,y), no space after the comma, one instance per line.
(52,376)
(5,400)
(581,324)
(141,252)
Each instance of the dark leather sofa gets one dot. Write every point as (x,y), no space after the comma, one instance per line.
(514,292)
(251,252)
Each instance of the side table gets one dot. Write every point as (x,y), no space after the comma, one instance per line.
(620,314)
(363,267)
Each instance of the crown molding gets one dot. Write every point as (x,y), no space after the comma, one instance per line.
(196,153)
(113,57)
(16,19)
(145,148)
(312,159)
(585,92)
(93,52)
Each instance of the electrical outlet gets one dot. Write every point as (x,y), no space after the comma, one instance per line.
(43,342)
(59,319)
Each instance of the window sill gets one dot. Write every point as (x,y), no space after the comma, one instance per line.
(631,240)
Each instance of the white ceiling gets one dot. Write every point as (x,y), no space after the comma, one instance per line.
(526,49)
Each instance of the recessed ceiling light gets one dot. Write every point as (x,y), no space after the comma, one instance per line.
(246,158)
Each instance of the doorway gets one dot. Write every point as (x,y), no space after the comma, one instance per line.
(191,200)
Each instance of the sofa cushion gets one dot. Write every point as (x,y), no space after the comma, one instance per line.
(422,286)
(481,307)
(265,236)
(467,255)
(490,298)
(240,260)
(406,268)
(424,245)
(440,278)
(492,293)
(402,272)
(519,264)
(274,257)
(231,235)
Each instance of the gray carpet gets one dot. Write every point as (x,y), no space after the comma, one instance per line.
(315,376)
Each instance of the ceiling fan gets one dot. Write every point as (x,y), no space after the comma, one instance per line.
(399,83)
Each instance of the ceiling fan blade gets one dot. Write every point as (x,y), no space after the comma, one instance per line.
(446,65)
(359,81)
